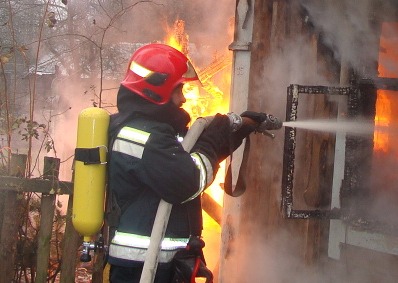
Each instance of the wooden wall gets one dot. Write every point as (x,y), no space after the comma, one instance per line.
(258,244)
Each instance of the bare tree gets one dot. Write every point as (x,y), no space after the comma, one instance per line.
(42,40)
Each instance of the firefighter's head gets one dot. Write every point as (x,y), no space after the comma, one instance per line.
(155,71)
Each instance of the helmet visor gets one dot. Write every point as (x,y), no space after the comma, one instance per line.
(190,74)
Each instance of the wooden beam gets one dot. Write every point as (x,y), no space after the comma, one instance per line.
(47,208)
(8,238)
(9,223)
(44,238)
(212,208)
(72,241)
(35,185)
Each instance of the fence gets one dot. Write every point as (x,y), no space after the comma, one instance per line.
(48,186)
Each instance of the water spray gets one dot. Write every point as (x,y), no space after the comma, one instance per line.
(335,126)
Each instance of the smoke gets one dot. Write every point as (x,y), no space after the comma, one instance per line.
(212,25)
(389,40)
(207,24)
(343,23)
(346,27)
(273,260)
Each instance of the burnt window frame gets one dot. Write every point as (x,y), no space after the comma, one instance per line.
(293,92)
(354,198)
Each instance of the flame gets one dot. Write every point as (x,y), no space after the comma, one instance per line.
(388,58)
(172,41)
(382,119)
(203,98)
(177,38)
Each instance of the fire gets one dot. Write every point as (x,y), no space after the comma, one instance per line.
(204,98)
(177,38)
(382,119)
(385,105)
(212,99)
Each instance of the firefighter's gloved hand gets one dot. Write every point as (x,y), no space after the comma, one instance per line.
(258,117)
(265,121)
(190,263)
(247,128)
(195,246)
(214,142)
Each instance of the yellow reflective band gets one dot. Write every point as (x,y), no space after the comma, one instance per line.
(134,135)
(202,169)
(128,148)
(140,70)
(206,173)
(142,242)
(137,254)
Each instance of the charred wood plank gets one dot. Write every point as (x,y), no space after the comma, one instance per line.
(212,208)
(381,83)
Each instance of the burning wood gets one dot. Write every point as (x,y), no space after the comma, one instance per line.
(199,103)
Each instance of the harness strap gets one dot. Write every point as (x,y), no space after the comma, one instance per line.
(90,155)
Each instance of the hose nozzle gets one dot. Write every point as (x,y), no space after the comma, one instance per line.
(261,121)
(270,123)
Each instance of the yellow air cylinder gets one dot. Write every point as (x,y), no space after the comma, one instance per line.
(90,177)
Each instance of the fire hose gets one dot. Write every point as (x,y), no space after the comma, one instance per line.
(164,208)
(270,123)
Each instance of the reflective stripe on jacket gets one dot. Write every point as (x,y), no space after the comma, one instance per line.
(132,142)
(133,247)
(206,173)
(140,156)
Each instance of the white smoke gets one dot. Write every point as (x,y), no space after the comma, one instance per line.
(347,27)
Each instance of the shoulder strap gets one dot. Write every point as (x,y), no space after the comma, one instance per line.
(112,209)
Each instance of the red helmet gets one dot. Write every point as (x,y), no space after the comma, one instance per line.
(155,70)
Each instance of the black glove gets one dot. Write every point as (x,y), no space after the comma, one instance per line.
(215,140)
(265,121)
(187,269)
(195,246)
(255,116)
(190,263)
(246,129)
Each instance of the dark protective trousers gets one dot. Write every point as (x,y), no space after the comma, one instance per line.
(120,274)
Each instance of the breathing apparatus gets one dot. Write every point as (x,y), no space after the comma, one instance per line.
(89,178)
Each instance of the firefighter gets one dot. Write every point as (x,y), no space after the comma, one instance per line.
(147,163)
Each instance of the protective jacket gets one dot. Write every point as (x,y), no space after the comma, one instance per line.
(147,163)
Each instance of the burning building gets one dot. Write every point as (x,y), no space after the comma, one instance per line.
(321,201)
(321,196)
